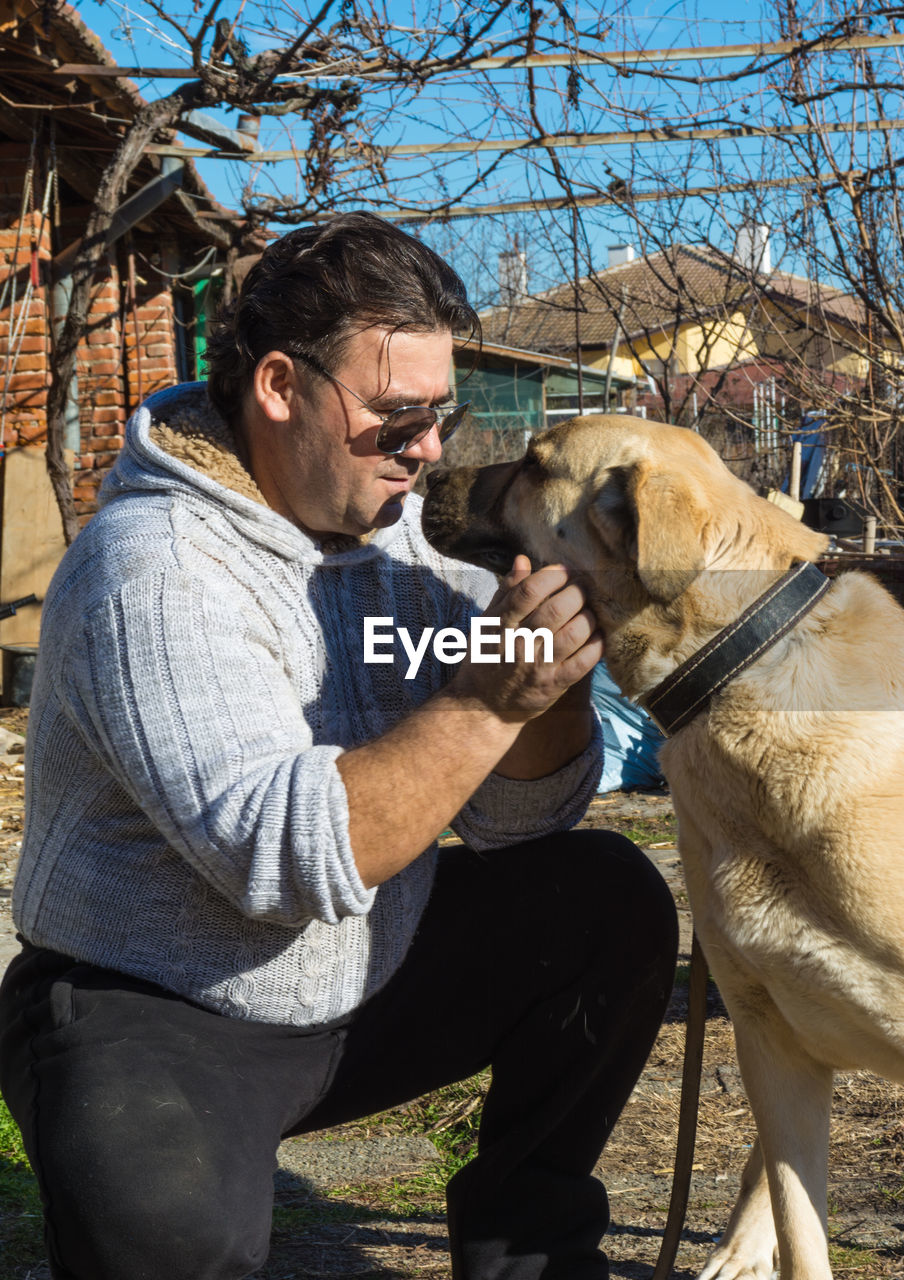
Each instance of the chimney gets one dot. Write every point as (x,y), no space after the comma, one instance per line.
(249,124)
(619,254)
(512,275)
(752,247)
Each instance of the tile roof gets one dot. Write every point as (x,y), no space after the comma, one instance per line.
(653,293)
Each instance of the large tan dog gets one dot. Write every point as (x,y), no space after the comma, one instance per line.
(788,786)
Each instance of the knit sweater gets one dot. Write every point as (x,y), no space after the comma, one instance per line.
(199,672)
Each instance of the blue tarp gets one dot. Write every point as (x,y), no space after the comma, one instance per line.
(812,456)
(631,738)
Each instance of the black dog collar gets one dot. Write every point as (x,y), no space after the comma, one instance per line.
(688,690)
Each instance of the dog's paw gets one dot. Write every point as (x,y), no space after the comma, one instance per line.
(739,1260)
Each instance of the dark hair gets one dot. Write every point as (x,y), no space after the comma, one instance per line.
(312,289)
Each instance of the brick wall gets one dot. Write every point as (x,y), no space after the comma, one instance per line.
(127,353)
(128,350)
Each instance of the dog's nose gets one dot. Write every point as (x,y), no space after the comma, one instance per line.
(432,478)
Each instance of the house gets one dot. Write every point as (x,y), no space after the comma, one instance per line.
(147,307)
(713,341)
(514,392)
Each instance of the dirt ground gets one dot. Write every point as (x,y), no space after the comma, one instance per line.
(353,1231)
(390,1224)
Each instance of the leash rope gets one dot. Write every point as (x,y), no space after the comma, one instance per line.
(688,1112)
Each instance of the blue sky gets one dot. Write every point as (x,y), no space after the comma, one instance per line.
(462,107)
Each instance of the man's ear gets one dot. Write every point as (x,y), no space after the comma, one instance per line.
(654,521)
(275,385)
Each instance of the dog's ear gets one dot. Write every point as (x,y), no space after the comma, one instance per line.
(671,521)
(654,520)
(613,515)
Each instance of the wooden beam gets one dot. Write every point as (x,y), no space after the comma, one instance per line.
(636,137)
(587,202)
(129,214)
(577,57)
(79,172)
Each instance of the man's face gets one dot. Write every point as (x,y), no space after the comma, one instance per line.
(321,468)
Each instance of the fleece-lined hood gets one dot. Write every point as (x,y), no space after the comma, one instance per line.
(178,442)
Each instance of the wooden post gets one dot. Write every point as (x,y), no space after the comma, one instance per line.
(578,352)
(794,486)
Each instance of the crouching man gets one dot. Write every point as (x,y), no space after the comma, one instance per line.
(236,923)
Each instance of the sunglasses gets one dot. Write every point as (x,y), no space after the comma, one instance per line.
(403,427)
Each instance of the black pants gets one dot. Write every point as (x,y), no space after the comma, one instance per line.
(152,1124)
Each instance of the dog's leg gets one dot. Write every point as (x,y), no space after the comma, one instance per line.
(791,1097)
(748,1250)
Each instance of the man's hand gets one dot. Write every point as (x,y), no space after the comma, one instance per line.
(406,786)
(519,690)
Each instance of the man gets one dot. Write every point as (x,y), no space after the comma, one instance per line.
(237,925)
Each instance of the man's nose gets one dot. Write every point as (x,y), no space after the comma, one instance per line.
(428,449)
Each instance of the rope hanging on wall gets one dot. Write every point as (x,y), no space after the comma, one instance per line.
(18,324)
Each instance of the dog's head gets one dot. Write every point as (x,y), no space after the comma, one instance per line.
(639,509)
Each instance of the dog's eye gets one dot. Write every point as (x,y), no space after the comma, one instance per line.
(497,559)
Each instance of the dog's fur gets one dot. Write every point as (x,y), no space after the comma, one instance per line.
(789,789)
